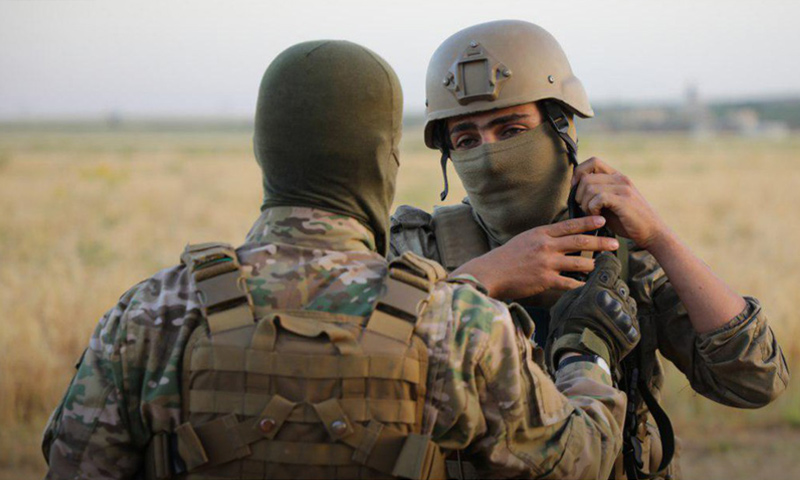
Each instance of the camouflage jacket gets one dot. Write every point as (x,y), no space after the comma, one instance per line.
(491,398)
(739,364)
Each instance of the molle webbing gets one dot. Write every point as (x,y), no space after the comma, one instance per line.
(305,394)
(254,361)
(358,409)
(459,238)
(373,445)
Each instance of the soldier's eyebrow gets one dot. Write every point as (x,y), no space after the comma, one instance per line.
(507,118)
(464,126)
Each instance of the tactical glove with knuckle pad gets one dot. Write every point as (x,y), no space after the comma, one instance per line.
(598,318)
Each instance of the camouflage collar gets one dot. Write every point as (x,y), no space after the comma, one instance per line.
(311,227)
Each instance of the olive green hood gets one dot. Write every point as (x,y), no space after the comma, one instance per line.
(328,123)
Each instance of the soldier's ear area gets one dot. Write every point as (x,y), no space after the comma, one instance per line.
(539,104)
(441,136)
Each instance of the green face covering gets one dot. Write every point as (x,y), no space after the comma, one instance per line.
(516,184)
(327,128)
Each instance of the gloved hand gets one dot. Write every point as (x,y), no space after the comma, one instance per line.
(597,318)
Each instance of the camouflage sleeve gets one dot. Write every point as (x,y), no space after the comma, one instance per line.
(411,231)
(89,434)
(493,401)
(126,386)
(740,364)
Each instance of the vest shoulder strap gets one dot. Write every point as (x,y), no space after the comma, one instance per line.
(459,238)
(408,285)
(220,285)
(424,272)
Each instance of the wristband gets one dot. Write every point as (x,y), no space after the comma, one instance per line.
(596,359)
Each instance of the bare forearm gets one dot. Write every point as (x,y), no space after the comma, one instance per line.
(709,301)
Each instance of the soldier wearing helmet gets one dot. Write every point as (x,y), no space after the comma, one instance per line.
(501,101)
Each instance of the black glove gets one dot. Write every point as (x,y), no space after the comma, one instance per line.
(598,318)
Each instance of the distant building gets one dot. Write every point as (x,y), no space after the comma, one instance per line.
(696,115)
(698,118)
(747,122)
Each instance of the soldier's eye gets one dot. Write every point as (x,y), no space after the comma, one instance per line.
(512,132)
(466,142)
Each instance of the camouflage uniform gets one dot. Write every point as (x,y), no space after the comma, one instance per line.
(739,365)
(485,392)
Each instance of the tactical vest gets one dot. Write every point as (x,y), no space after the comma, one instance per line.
(460,238)
(301,394)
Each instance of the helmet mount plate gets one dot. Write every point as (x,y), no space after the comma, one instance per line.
(476,75)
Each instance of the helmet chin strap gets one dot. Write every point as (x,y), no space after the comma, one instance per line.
(558,120)
(445,156)
(440,137)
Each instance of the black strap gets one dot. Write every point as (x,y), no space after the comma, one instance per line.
(584,357)
(460,469)
(441,142)
(560,123)
(632,446)
(558,120)
(663,424)
(163,459)
(445,156)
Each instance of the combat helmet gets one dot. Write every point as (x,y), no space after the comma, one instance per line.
(496,65)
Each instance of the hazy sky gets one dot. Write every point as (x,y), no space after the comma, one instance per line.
(89,58)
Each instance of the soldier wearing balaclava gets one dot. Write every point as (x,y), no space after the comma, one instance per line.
(349,100)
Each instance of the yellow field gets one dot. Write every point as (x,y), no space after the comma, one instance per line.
(87,214)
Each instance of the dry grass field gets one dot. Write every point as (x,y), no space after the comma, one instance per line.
(86,213)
